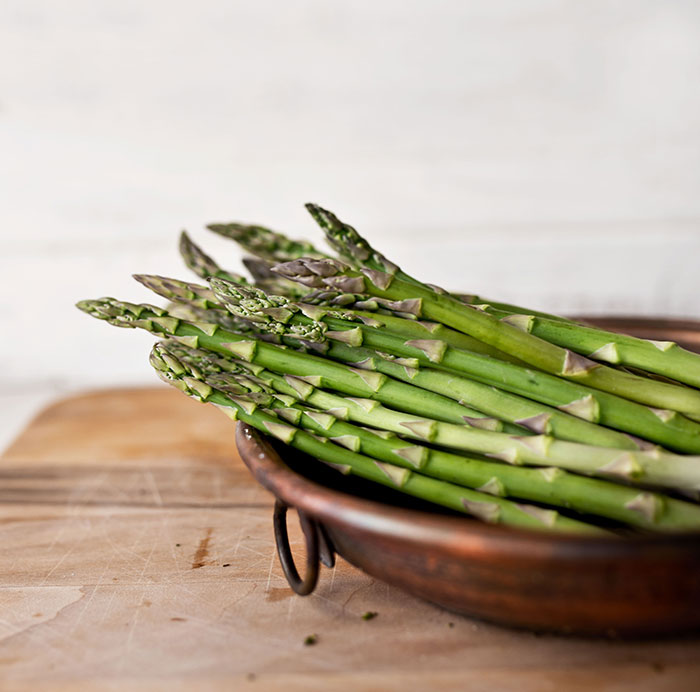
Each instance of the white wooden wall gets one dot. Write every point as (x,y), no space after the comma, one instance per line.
(542,151)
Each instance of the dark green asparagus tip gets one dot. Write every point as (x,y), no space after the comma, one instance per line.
(252,303)
(254,238)
(347,242)
(199,377)
(321,216)
(105,308)
(174,289)
(229,230)
(195,258)
(264,242)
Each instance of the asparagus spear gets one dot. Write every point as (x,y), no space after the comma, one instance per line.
(485,394)
(531,414)
(481,505)
(196,295)
(351,246)
(485,327)
(355,249)
(184,311)
(397,318)
(205,267)
(507,308)
(664,358)
(202,264)
(264,242)
(186,292)
(653,467)
(544,485)
(280,316)
(277,247)
(353,381)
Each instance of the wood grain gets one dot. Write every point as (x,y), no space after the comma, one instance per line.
(138,552)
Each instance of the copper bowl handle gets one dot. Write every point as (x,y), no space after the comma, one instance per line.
(300,586)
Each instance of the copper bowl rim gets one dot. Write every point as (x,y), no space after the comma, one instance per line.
(336,508)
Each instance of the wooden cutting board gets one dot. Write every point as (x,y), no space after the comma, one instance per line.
(138,552)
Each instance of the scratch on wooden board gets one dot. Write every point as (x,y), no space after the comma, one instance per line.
(202,550)
(88,601)
(57,564)
(154,488)
(132,628)
(269,574)
(357,590)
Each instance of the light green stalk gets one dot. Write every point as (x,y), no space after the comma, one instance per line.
(192,302)
(652,467)
(203,296)
(664,358)
(544,485)
(353,381)
(507,308)
(399,318)
(532,415)
(344,338)
(480,505)
(485,327)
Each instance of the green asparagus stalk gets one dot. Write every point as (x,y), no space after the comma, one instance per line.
(478,504)
(355,249)
(485,327)
(276,247)
(353,381)
(507,308)
(649,467)
(201,297)
(544,485)
(193,302)
(184,311)
(485,395)
(202,264)
(265,243)
(397,318)
(343,339)
(664,358)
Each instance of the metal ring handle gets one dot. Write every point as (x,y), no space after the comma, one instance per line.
(305,586)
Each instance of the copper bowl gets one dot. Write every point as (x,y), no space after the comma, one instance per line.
(634,587)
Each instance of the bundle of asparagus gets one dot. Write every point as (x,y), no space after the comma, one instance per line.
(492,410)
